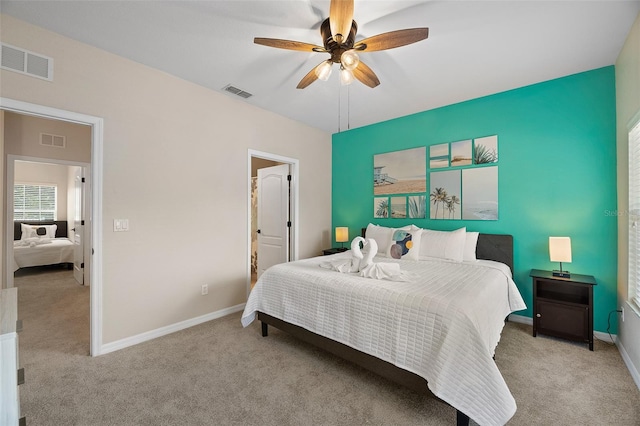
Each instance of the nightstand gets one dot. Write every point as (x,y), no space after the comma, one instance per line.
(334,250)
(563,307)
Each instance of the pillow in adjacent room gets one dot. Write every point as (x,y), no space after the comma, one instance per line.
(37,231)
(443,244)
(405,244)
(471,241)
(381,234)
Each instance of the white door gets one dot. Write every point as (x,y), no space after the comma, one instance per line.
(78,227)
(273,216)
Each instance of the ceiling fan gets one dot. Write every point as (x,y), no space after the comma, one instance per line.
(338,33)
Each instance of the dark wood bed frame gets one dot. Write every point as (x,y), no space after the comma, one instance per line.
(490,247)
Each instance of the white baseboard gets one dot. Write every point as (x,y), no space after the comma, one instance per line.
(163,331)
(632,368)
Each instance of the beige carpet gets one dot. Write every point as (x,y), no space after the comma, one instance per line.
(218,373)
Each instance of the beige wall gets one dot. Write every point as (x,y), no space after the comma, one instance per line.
(22,137)
(627,106)
(175,165)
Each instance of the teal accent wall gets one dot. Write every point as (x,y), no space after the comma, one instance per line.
(556,176)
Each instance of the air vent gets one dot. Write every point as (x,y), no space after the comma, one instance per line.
(48,139)
(25,62)
(229,88)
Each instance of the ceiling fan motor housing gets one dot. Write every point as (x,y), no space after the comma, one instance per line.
(336,50)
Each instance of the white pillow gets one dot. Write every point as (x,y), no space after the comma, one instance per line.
(31,231)
(443,244)
(381,234)
(404,244)
(470,244)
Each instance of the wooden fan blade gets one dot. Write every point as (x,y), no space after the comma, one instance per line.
(309,78)
(392,39)
(288,44)
(340,18)
(366,75)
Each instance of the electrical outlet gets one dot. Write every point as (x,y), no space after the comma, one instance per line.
(205,289)
(622,313)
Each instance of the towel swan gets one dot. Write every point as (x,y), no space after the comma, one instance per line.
(363,264)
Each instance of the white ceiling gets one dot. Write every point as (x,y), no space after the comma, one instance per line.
(475,48)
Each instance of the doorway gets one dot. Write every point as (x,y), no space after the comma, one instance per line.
(93,217)
(277,241)
(64,200)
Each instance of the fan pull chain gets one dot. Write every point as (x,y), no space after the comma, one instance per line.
(339,102)
(348,108)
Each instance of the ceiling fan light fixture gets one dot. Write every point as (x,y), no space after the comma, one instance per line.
(346,76)
(349,59)
(323,72)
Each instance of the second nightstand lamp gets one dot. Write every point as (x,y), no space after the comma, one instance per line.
(342,235)
(560,251)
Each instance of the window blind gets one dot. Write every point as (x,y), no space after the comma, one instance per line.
(34,202)
(634,214)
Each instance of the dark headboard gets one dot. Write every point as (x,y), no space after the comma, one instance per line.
(497,247)
(61,231)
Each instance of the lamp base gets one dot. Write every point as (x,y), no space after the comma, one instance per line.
(561,274)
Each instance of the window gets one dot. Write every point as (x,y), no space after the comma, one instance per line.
(34,202)
(634,214)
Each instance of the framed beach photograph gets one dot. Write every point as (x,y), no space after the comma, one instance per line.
(417,206)
(485,150)
(439,156)
(398,207)
(445,197)
(400,172)
(461,153)
(480,189)
(380,207)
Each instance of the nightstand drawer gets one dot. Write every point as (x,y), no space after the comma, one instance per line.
(566,320)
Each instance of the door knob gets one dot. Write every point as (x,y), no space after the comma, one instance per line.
(538,315)
(258,231)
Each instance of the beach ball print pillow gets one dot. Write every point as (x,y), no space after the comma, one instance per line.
(404,244)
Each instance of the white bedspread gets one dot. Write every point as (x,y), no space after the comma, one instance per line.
(60,250)
(444,326)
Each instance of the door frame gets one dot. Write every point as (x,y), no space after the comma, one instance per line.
(95,218)
(293,203)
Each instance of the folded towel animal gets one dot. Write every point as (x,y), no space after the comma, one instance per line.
(363,264)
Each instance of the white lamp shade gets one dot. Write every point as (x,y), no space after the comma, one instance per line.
(342,234)
(560,249)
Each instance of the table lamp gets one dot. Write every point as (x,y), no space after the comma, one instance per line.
(342,235)
(560,251)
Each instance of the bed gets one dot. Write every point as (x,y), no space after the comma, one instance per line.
(436,333)
(46,244)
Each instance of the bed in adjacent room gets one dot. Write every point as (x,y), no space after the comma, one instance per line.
(435,325)
(40,243)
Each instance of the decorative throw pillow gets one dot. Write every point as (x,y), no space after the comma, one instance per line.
(37,231)
(443,244)
(471,241)
(405,244)
(381,234)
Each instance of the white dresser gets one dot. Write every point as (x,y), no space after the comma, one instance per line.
(9,373)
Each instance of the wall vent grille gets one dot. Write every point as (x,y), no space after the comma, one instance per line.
(239,92)
(26,62)
(57,141)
